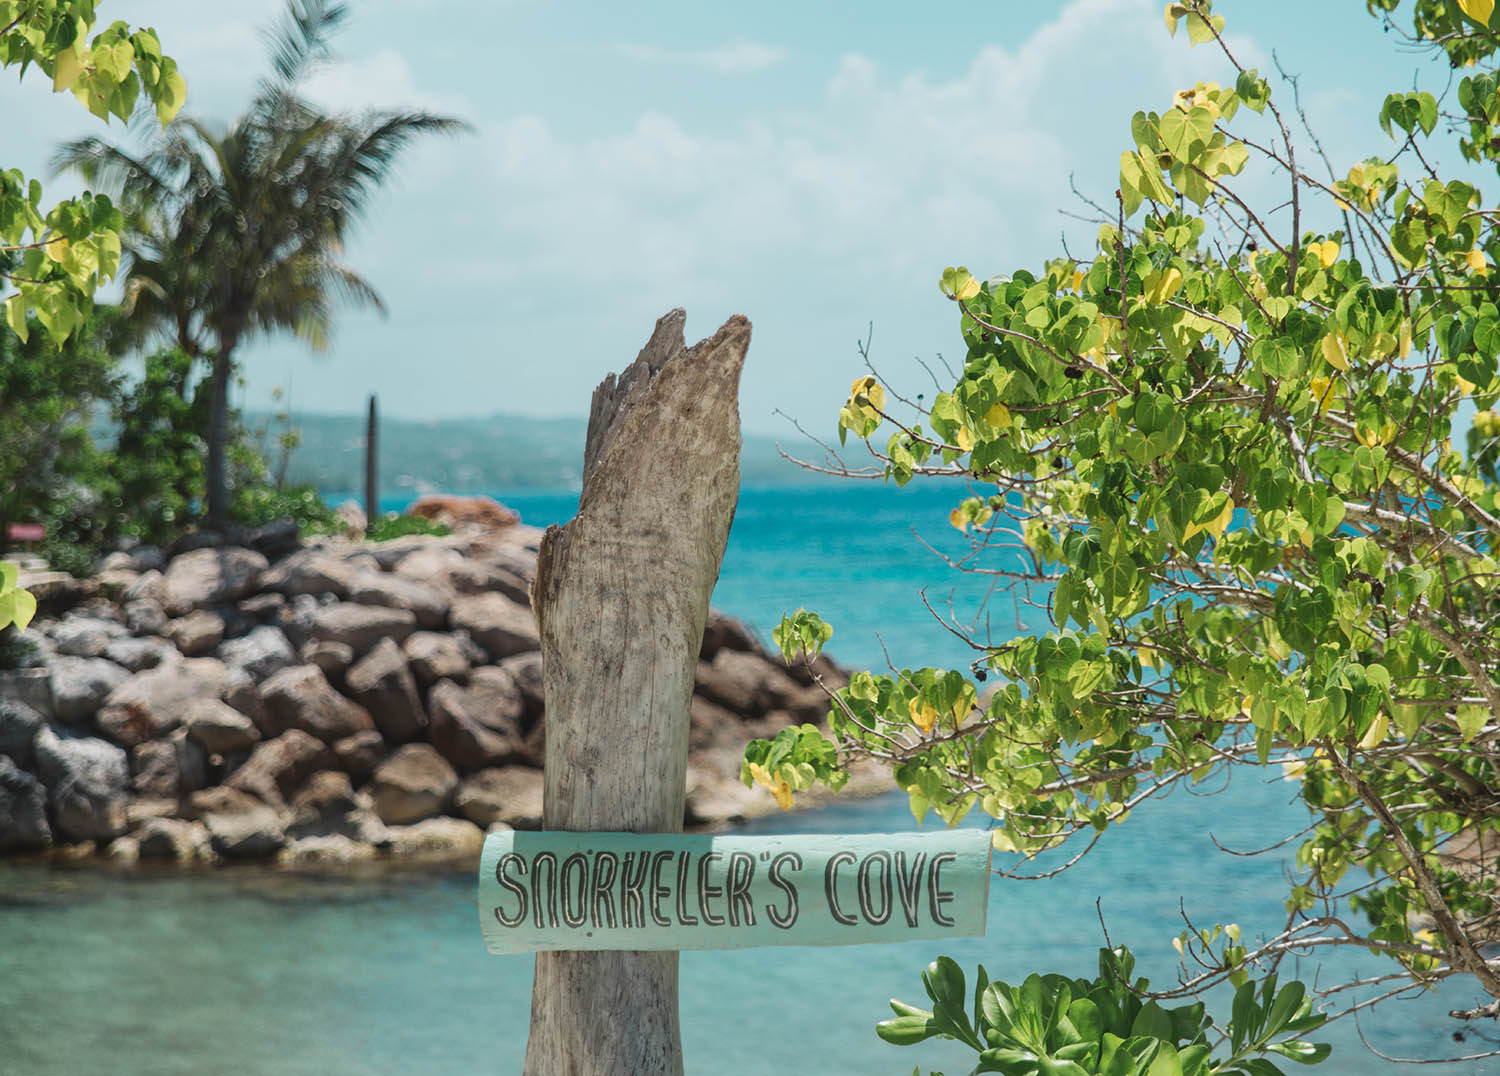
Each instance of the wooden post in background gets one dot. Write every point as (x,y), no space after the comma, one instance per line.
(621,597)
(372,467)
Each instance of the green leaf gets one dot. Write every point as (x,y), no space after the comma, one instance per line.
(1307,1053)
(15,315)
(23,608)
(1201,30)
(9,574)
(1470,720)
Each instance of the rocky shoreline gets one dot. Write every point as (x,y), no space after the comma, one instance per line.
(322,704)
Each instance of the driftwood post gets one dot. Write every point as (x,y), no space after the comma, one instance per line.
(621,597)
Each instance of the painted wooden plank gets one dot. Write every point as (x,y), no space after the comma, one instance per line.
(641,891)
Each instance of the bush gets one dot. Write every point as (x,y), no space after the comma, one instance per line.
(257,505)
(388,527)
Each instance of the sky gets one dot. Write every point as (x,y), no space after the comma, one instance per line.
(813,166)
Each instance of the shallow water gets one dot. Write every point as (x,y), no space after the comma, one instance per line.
(258,974)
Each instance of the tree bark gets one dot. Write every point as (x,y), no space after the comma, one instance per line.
(621,597)
(216,479)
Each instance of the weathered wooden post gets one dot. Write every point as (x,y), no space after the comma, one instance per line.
(372,466)
(621,597)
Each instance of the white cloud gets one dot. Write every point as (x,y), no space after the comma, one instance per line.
(381,80)
(735,58)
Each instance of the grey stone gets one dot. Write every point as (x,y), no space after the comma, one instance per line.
(266,606)
(333,658)
(18,728)
(80,686)
(197,633)
(428,603)
(330,850)
(218,727)
(745,683)
(150,587)
(434,656)
(31,687)
(168,768)
(152,702)
(210,576)
(140,653)
(496,623)
(480,725)
(310,571)
(383,685)
(261,653)
(508,794)
(239,826)
(360,754)
(300,697)
(277,768)
(147,558)
(436,839)
(84,636)
(171,838)
(86,780)
(526,671)
(23,810)
(412,784)
(361,626)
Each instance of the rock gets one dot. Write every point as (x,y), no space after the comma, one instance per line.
(30,687)
(84,637)
(147,558)
(172,838)
(169,768)
(136,654)
(361,626)
(526,671)
(239,826)
(480,725)
(123,851)
(210,576)
(328,793)
(263,607)
(18,728)
(276,539)
(328,806)
(471,650)
(508,794)
(437,839)
(360,754)
(428,603)
(80,686)
(383,685)
(149,587)
(745,683)
(331,850)
(433,656)
(352,515)
(412,784)
(300,697)
(710,725)
(218,727)
(496,623)
(277,768)
(333,658)
(86,780)
(23,810)
(261,653)
(431,564)
(152,702)
(723,632)
(718,803)
(197,633)
(464,513)
(310,571)
(243,696)
(139,811)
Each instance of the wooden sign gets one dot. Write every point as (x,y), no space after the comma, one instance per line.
(636,891)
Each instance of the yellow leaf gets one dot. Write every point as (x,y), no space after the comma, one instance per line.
(923,715)
(1403,338)
(68,67)
(57,249)
(1077,279)
(1161,284)
(1333,351)
(1325,390)
(1478,10)
(1172,13)
(1328,252)
(1368,438)
(1219,523)
(965,441)
(1465,386)
(1476,261)
(777,785)
(1293,771)
(959,520)
(1147,657)
(998,416)
(1245,704)
(1375,735)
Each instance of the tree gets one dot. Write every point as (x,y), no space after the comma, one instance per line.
(238,231)
(1219,447)
(51,263)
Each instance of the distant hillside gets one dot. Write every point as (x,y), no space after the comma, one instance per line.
(457,455)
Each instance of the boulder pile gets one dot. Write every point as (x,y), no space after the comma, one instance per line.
(323,703)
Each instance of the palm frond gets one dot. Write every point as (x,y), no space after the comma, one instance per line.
(303,37)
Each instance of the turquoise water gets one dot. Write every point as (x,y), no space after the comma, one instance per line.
(250,973)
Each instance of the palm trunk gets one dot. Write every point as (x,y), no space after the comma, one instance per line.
(218,437)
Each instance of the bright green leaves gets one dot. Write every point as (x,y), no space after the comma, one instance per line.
(1140,178)
(17,606)
(862,414)
(1252,90)
(1201,24)
(798,758)
(801,636)
(1185,134)
(1051,1025)
(68,252)
(958,285)
(1410,112)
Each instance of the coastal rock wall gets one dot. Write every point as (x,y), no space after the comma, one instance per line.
(320,704)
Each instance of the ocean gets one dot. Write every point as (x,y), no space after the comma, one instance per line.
(248,972)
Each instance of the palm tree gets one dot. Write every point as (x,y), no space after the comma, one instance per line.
(238,231)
